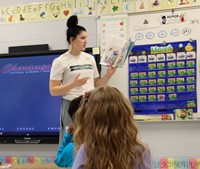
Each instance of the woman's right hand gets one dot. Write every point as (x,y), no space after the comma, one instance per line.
(80,81)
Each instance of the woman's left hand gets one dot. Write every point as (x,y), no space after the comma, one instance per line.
(71,129)
(110,71)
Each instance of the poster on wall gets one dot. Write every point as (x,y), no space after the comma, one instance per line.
(162,77)
(112,27)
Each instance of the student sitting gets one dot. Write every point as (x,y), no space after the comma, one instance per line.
(66,153)
(106,134)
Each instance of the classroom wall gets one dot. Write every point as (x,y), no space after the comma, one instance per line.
(52,33)
(166,139)
(44,32)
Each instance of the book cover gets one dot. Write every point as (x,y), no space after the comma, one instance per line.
(117,52)
(184,114)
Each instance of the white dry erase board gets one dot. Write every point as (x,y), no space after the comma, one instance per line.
(157,31)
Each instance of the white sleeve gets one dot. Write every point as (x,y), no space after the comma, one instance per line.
(80,159)
(57,70)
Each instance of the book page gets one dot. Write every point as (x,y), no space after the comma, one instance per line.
(124,54)
(113,51)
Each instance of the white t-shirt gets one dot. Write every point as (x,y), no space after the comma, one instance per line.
(66,67)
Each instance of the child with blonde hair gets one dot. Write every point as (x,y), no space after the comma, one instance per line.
(106,134)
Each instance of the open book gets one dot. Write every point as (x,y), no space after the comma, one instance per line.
(117,52)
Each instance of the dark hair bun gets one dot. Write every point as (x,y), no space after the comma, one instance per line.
(72,21)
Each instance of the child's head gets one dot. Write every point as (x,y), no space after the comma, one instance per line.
(107,106)
(104,111)
(73,106)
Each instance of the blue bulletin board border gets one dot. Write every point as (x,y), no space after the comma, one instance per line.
(162,77)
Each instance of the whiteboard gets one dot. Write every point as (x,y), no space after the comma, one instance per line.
(150,29)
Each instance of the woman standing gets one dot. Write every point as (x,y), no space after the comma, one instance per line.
(74,72)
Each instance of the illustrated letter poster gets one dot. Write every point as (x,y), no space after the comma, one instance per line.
(162,77)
